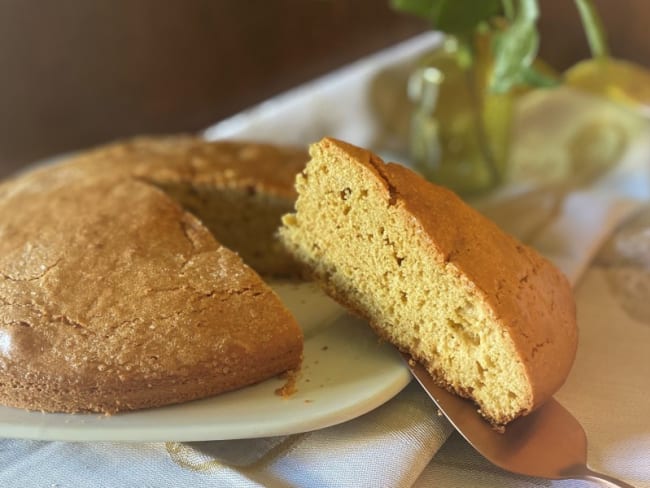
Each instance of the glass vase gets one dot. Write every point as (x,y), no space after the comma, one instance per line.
(460,131)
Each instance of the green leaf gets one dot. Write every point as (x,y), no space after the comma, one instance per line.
(515,48)
(534,77)
(455,17)
(424,9)
(508,9)
(462,16)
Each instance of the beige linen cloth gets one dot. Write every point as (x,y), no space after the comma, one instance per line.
(567,212)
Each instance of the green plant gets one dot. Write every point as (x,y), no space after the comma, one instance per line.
(514,34)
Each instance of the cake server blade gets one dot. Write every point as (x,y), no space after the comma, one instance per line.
(548,443)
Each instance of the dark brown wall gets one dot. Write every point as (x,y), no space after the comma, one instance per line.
(78,72)
(626,21)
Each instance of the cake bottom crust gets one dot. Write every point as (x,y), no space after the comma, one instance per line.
(46,395)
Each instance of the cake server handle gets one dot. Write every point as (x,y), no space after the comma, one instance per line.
(587,474)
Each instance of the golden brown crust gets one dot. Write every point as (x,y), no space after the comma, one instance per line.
(531,299)
(527,296)
(114,298)
(251,166)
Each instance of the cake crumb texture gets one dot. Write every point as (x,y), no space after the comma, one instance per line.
(489,317)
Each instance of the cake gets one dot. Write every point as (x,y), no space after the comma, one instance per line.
(115,298)
(489,318)
(238,189)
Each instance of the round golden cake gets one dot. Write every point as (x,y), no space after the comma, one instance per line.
(115,298)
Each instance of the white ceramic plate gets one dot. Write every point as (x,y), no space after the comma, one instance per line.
(346,372)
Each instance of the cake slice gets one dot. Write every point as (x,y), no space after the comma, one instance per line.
(112,298)
(489,317)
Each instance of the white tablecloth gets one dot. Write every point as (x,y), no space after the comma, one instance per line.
(404,442)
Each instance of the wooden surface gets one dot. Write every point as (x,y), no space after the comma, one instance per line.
(77,73)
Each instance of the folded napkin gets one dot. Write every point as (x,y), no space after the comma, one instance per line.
(405,442)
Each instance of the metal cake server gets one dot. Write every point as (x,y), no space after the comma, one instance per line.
(549,443)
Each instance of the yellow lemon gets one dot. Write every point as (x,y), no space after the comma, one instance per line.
(620,81)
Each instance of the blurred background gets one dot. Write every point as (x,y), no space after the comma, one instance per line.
(76,73)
